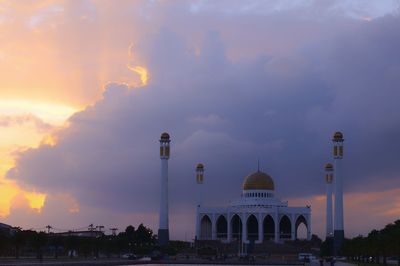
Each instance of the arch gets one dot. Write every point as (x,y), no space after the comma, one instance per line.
(205,227)
(222,227)
(236,225)
(285,227)
(269,227)
(301,220)
(252,228)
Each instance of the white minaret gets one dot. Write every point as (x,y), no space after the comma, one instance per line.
(338,213)
(199,181)
(163,231)
(329,218)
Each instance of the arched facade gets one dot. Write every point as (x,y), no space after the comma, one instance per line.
(285,227)
(258,226)
(258,216)
(269,227)
(222,227)
(237,227)
(300,220)
(206,227)
(252,228)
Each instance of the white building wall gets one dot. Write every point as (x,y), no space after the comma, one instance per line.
(293,213)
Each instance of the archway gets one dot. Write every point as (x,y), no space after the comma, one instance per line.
(285,227)
(205,227)
(236,225)
(252,228)
(301,227)
(222,227)
(269,227)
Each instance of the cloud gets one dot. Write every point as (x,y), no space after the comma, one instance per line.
(17,120)
(280,105)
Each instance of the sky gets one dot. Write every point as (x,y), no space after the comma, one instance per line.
(87,87)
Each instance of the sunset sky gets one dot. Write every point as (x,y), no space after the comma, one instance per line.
(87,87)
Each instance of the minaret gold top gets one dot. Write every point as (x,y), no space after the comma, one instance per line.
(329,175)
(200,173)
(164,137)
(164,145)
(338,136)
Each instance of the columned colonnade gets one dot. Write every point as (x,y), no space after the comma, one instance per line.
(257,227)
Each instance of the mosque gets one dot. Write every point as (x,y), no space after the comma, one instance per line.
(258,216)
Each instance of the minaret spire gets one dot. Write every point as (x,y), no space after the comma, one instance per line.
(199,181)
(258,165)
(338,206)
(329,218)
(163,231)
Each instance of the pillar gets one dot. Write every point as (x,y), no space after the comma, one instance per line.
(293,227)
(276,223)
(309,227)
(163,231)
(214,227)
(244,227)
(199,181)
(329,217)
(260,228)
(198,229)
(338,233)
(229,236)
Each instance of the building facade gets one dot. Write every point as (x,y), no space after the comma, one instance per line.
(257,216)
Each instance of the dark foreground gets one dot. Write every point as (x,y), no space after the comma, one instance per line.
(84,262)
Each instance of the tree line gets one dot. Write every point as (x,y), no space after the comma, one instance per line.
(29,243)
(376,247)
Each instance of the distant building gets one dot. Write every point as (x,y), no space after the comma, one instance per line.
(88,233)
(8,230)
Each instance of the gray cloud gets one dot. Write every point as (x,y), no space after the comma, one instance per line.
(279,108)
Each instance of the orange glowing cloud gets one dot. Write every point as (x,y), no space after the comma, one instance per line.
(142,72)
(26,124)
(46,78)
(55,114)
(36,200)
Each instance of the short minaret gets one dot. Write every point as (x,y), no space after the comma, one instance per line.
(329,218)
(199,181)
(163,231)
(338,212)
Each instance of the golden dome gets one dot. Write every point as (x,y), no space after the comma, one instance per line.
(199,166)
(328,166)
(338,135)
(165,136)
(258,180)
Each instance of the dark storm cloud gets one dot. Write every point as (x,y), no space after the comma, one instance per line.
(228,114)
